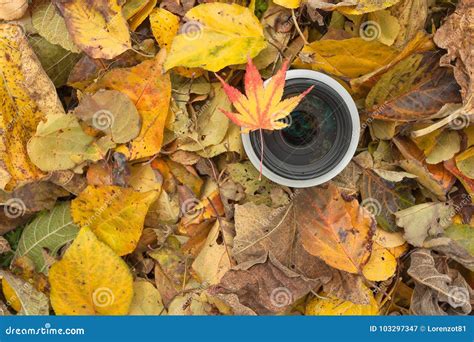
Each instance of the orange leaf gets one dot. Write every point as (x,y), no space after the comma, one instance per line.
(261,107)
(150,90)
(333,228)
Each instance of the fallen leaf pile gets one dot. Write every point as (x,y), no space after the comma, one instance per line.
(125,189)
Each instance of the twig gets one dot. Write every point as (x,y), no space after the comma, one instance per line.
(297,27)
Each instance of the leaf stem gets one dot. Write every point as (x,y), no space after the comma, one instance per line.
(298,27)
(261,154)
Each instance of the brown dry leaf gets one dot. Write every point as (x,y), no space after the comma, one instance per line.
(457,36)
(265,287)
(261,230)
(414,89)
(436,282)
(435,178)
(384,198)
(150,90)
(411,14)
(13,9)
(337,230)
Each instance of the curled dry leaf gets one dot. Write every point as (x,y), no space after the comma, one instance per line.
(456,36)
(435,282)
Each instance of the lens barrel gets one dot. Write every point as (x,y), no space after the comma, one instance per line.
(321,137)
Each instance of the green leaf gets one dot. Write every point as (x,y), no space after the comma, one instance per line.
(56,61)
(61,144)
(51,25)
(50,230)
(463,234)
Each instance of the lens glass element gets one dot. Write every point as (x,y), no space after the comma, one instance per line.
(317,137)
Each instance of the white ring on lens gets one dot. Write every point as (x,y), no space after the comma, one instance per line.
(306,183)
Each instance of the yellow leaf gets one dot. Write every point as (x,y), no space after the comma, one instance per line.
(350,58)
(150,89)
(381,265)
(143,178)
(388,239)
(411,15)
(216,35)
(116,215)
(26,94)
(10,296)
(146,299)
(465,162)
(60,144)
(399,250)
(333,306)
(288,3)
(90,279)
(213,261)
(132,7)
(367,6)
(97,27)
(139,17)
(421,42)
(385,26)
(165,26)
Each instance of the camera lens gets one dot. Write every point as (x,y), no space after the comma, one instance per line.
(321,136)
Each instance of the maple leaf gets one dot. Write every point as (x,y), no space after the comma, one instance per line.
(261,107)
